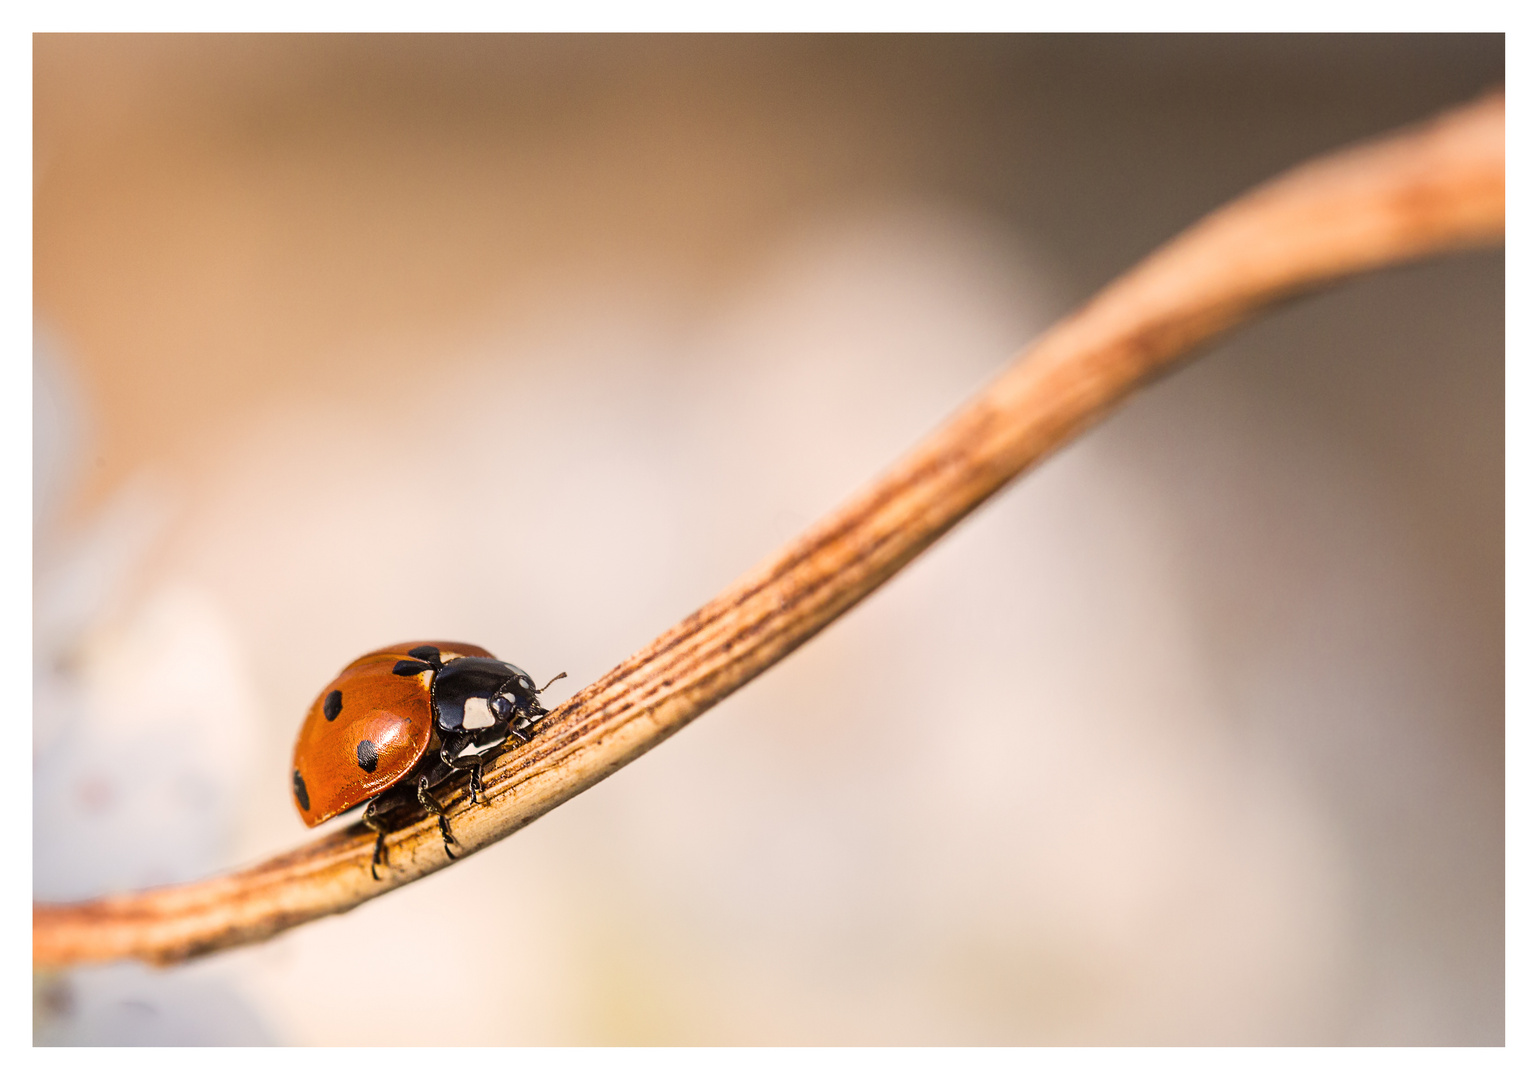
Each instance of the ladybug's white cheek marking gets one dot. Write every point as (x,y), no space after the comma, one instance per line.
(477,714)
(474,750)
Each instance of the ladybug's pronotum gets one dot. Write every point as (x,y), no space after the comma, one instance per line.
(399,721)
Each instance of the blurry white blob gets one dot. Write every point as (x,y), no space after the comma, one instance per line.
(126,1005)
(145,759)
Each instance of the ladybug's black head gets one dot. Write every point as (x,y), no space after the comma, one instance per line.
(507,709)
(517,703)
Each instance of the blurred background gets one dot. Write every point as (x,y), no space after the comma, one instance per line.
(1193,735)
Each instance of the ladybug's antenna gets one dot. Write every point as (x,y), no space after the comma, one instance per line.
(542,689)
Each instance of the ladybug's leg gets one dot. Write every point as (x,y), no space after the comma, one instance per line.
(455,764)
(438,808)
(381,854)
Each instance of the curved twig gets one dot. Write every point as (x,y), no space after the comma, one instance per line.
(1434,188)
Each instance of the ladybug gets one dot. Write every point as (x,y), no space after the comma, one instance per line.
(399,721)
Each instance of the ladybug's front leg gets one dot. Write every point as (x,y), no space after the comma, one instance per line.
(438,808)
(457,763)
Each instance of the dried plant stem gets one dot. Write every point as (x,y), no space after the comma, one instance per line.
(1432,189)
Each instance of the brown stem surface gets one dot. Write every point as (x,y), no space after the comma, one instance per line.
(1434,188)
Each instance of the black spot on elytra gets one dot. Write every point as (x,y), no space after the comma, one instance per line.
(368,756)
(333,704)
(300,792)
(410,667)
(429,653)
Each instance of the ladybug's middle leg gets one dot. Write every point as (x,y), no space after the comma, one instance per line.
(477,785)
(381,853)
(438,808)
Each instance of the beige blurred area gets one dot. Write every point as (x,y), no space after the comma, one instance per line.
(1194,735)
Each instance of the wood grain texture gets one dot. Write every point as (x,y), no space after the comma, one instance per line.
(1431,189)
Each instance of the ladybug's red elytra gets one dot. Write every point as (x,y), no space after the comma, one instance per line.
(400,720)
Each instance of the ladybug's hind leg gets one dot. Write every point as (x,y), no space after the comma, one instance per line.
(381,852)
(438,808)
